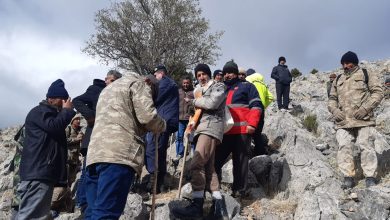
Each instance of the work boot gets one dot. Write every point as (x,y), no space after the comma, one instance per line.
(191,211)
(348,183)
(217,210)
(370,181)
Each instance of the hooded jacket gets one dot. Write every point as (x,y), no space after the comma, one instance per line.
(265,95)
(86,105)
(124,113)
(44,154)
(350,92)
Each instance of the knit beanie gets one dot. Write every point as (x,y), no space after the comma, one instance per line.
(332,75)
(250,71)
(57,90)
(216,72)
(349,57)
(203,67)
(230,67)
(281,59)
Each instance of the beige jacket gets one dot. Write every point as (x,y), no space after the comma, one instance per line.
(124,113)
(350,92)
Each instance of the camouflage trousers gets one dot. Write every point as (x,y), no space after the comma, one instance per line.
(62,196)
(202,165)
(355,140)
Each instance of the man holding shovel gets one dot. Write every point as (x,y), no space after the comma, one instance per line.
(208,134)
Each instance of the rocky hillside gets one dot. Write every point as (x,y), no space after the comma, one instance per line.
(298,180)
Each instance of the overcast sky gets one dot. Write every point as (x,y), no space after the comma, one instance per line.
(41,41)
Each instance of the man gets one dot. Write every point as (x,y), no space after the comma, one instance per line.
(186,95)
(209,134)
(241,74)
(266,98)
(124,113)
(332,76)
(167,105)
(245,107)
(283,78)
(44,155)
(218,75)
(62,196)
(353,97)
(86,105)
(387,88)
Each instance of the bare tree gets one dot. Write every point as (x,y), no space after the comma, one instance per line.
(138,34)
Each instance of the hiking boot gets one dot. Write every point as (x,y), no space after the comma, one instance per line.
(191,211)
(348,183)
(217,210)
(370,181)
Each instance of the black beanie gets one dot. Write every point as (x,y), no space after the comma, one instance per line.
(203,67)
(281,59)
(216,72)
(349,57)
(230,67)
(250,71)
(57,90)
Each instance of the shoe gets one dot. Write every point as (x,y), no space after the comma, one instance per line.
(370,181)
(217,210)
(191,211)
(348,183)
(283,110)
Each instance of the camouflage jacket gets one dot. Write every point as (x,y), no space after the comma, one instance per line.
(124,113)
(350,92)
(74,141)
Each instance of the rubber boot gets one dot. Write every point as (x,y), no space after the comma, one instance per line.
(217,210)
(191,211)
(348,183)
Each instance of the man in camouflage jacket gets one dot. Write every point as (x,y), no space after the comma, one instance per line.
(353,98)
(124,113)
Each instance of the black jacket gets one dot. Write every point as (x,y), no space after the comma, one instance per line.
(45,152)
(281,74)
(86,105)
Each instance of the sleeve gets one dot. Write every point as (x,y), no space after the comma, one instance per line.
(56,124)
(274,74)
(376,93)
(213,101)
(145,112)
(82,104)
(255,106)
(333,97)
(164,89)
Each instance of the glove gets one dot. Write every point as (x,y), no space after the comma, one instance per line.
(360,113)
(339,115)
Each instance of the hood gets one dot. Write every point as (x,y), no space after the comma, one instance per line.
(255,77)
(99,82)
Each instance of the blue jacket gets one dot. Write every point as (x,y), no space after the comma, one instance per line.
(45,151)
(281,74)
(167,103)
(86,105)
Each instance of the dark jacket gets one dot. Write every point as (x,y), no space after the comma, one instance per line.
(167,103)
(44,153)
(244,104)
(183,105)
(281,74)
(86,105)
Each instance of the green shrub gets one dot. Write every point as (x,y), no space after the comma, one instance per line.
(295,73)
(310,123)
(314,71)
(304,78)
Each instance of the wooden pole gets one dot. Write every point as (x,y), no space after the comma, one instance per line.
(155,177)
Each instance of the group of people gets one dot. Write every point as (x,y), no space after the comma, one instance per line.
(127,114)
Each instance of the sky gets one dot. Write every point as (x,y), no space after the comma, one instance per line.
(41,41)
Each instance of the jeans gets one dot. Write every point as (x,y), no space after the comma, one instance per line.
(81,198)
(282,95)
(180,137)
(107,186)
